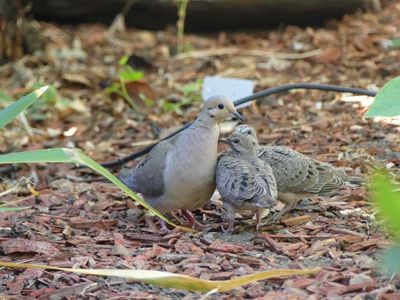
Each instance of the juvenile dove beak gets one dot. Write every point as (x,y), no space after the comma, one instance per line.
(223,140)
(236,115)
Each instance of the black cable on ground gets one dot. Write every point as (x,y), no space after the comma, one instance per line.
(256,96)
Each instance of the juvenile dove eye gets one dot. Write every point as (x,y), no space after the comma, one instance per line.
(244,181)
(221,106)
(249,132)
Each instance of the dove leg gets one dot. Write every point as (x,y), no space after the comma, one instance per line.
(192,222)
(258,219)
(230,227)
(163,226)
(290,200)
(287,208)
(150,223)
(228,215)
(179,219)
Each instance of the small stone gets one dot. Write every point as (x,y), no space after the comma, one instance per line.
(356,128)
(360,279)
(133,214)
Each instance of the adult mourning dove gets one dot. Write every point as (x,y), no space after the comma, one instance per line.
(179,172)
(244,181)
(297,175)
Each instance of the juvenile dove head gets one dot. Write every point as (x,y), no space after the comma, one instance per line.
(220,108)
(249,131)
(242,144)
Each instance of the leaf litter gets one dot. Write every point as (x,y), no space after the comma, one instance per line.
(80,221)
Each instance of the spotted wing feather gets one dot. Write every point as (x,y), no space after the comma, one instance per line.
(241,180)
(295,172)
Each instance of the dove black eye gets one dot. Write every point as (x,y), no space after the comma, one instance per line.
(249,132)
(221,106)
(235,141)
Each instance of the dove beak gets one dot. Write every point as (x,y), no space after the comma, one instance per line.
(228,142)
(236,115)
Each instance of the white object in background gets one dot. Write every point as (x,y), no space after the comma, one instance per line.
(231,88)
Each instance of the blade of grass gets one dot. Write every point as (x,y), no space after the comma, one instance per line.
(13,202)
(63,155)
(171,280)
(387,201)
(9,190)
(8,209)
(13,110)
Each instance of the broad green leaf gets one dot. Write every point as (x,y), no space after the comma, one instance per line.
(128,74)
(171,280)
(123,60)
(387,201)
(387,101)
(55,155)
(7,209)
(190,88)
(114,88)
(390,261)
(13,110)
(50,96)
(63,155)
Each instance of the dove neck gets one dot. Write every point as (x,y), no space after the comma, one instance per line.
(204,121)
(251,153)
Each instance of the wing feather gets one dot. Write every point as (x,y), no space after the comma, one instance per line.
(240,180)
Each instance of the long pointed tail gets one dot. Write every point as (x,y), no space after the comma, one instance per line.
(356,180)
(124,176)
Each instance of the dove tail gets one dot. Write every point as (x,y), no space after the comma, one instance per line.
(356,180)
(126,179)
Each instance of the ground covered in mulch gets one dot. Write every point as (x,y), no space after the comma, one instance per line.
(80,220)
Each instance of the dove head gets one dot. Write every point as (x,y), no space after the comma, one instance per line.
(249,131)
(220,108)
(242,144)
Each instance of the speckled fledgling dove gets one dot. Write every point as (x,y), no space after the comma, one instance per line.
(244,181)
(297,175)
(179,172)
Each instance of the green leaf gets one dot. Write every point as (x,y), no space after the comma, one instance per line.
(171,280)
(123,60)
(4,97)
(50,96)
(387,101)
(394,44)
(8,209)
(192,89)
(13,110)
(189,88)
(113,88)
(390,261)
(55,155)
(63,155)
(387,200)
(128,74)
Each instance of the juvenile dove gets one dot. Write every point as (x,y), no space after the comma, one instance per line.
(297,175)
(179,172)
(244,181)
